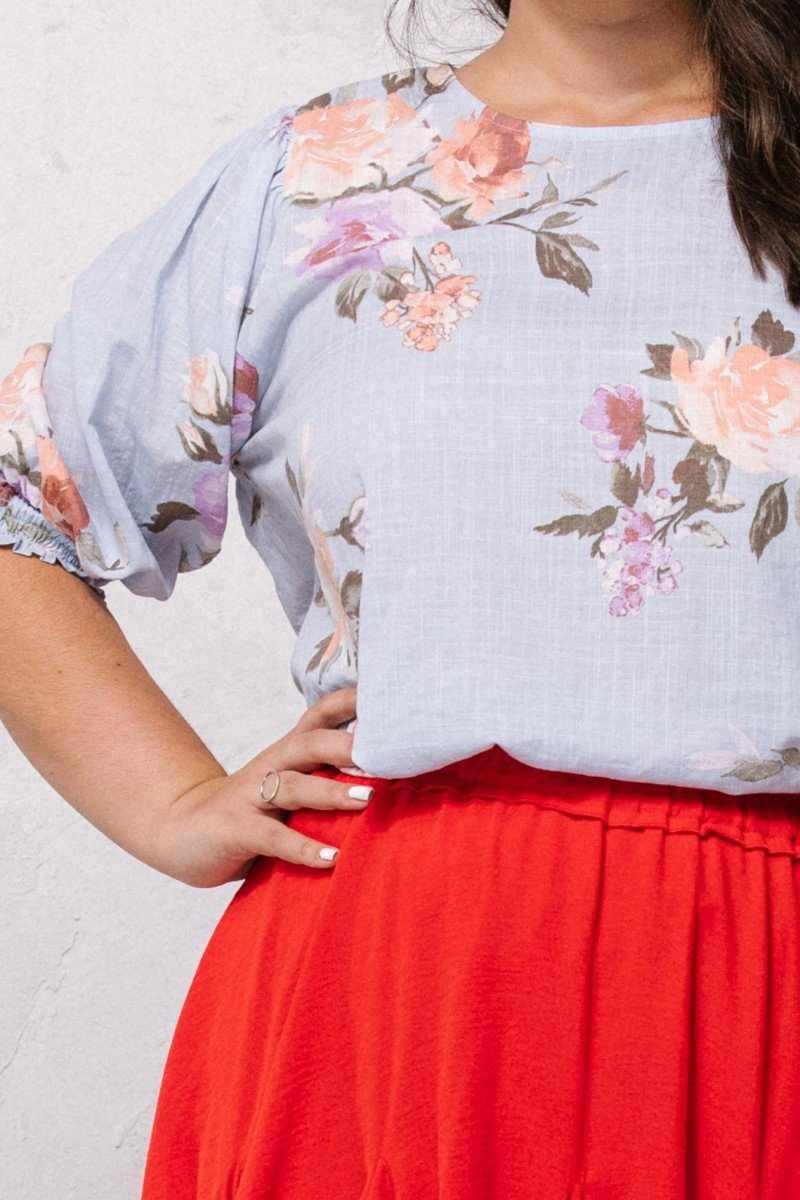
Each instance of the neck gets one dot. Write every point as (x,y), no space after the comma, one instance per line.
(602,62)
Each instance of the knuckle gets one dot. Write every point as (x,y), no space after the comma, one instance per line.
(330,704)
(296,743)
(323,704)
(315,741)
(309,851)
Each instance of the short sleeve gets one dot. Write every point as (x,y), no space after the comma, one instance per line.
(116,436)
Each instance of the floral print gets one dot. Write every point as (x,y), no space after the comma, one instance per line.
(338,148)
(340,594)
(381,178)
(616,414)
(634,563)
(744,400)
(481,164)
(743,760)
(30,459)
(736,404)
(258,323)
(428,314)
(34,469)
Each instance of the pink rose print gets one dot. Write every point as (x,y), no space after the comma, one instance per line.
(32,461)
(380,178)
(206,388)
(736,406)
(616,415)
(353,145)
(482,162)
(62,503)
(743,401)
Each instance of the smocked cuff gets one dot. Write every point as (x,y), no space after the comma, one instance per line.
(24,529)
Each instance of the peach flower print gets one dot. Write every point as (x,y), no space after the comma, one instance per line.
(25,427)
(342,637)
(21,396)
(351,145)
(746,404)
(429,315)
(206,388)
(62,504)
(482,162)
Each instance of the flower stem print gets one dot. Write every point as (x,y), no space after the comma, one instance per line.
(737,407)
(342,596)
(209,401)
(745,761)
(379,177)
(428,314)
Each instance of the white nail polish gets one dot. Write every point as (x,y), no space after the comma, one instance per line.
(328,853)
(360,792)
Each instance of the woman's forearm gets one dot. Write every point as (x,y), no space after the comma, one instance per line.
(84,710)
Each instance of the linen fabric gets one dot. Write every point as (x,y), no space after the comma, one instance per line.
(513,423)
(513,982)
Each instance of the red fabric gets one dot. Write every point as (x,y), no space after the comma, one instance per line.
(514,984)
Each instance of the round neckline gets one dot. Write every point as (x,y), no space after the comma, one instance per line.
(704,124)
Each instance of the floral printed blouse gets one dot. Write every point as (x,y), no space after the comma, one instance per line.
(514,428)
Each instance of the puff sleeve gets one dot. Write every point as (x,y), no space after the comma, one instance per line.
(116,436)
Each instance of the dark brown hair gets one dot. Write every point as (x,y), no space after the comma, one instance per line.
(753,50)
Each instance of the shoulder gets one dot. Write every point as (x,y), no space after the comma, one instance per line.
(352,129)
(392,91)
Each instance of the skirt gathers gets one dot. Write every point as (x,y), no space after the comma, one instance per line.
(513,984)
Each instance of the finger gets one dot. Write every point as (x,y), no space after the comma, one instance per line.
(314,748)
(269,836)
(329,710)
(300,790)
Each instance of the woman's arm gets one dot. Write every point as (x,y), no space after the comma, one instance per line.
(84,710)
(87,715)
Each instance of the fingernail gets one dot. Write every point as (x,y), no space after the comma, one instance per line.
(328,853)
(360,792)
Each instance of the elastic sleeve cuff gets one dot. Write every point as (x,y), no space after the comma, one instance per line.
(24,529)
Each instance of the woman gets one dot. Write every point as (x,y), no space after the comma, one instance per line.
(504,361)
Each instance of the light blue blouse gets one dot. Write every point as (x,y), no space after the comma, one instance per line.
(514,427)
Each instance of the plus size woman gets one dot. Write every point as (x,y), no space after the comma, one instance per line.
(505,361)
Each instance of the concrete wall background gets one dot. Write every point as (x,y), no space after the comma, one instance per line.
(108,107)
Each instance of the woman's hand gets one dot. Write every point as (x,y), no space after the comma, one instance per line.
(213,833)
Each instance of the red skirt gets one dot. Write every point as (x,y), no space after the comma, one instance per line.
(513,984)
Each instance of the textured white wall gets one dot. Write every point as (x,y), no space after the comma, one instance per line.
(112,105)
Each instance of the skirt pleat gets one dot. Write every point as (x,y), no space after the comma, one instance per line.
(500,991)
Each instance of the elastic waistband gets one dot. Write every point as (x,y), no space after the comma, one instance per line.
(766,820)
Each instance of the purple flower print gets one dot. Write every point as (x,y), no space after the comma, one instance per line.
(616,416)
(245,398)
(633,563)
(211,500)
(356,232)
